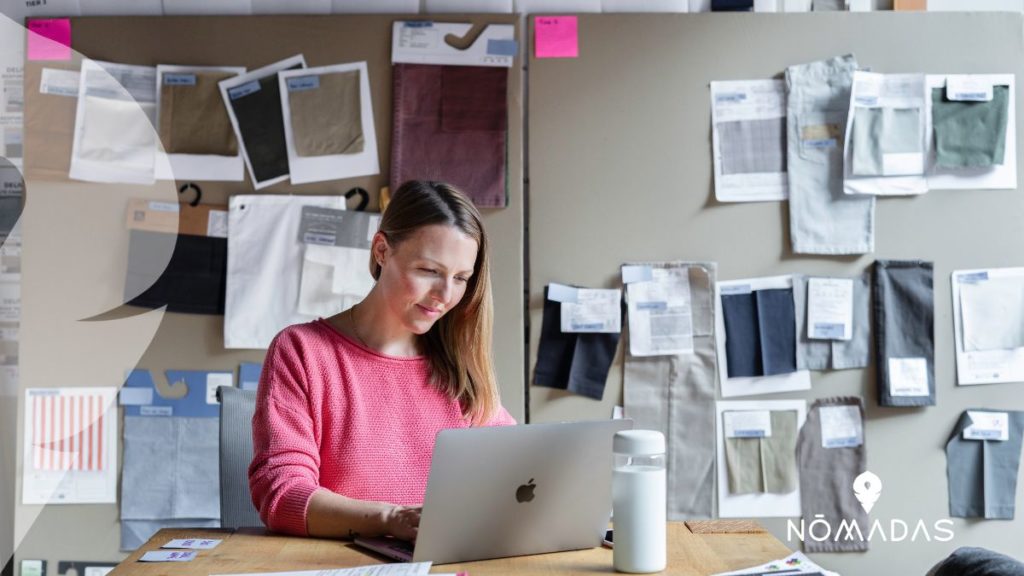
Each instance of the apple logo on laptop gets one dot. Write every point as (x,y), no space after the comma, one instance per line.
(525,492)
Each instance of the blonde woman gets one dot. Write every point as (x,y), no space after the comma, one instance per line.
(348,406)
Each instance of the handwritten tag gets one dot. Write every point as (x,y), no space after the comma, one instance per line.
(168,556)
(967,88)
(988,426)
(748,424)
(193,543)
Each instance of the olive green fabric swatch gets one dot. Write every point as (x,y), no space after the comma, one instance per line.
(193,119)
(970,134)
(327,119)
(764,465)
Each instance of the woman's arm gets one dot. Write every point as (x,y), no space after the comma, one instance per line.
(331,515)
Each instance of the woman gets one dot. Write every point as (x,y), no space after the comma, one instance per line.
(348,407)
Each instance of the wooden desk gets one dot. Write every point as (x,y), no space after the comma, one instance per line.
(252,550)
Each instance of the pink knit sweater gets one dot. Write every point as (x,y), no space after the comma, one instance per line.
(333,414)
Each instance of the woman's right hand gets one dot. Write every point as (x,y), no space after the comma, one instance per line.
(403,522)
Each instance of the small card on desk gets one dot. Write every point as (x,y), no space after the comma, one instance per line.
(168,556)
(193,543)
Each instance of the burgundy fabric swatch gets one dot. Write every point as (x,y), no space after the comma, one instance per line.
(450,125)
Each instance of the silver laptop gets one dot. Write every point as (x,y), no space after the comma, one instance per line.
(513,490)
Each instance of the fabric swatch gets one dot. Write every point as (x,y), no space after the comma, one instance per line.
(112,129)
(760,332)
(826,480)
(334,278)
(193,119)
(813,354)
(575,361)
(970,134)
(904,327)
(438,134)
(262,128)
(194,280)
(676,396)
(881,131)
(764,465)
(742,335)
(823,219)
(983,473)
(753,146)
(327,119)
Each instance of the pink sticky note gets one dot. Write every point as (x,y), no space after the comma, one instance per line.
(49,39)
(556,37)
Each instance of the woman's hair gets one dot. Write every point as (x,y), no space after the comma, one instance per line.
(459,344)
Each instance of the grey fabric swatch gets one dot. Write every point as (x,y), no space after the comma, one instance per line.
(236,409)
(969,134)
(171,468)
(983,473)
(777,327)
(826,480)
(676,396)
(904,324)
(879,131)
(829,6)
(972,561)
(823,219)
(742,335)
(764,465)
(753,146)
(813,354)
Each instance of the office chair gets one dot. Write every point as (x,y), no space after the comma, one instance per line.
(236,409)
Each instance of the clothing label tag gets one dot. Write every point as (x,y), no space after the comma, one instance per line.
(168,556)
(736,289)
(156,411)
(908,377)
(841,426)
(244,90)
(497,47)
(562,293)
(967,88)
(192,544)
(730,97)
(829,308)
(131,396)
(632,274)
(594,311)
(972,278)
(179,79)
(217,224)
(748,424)
(332,227)
(303,83)
(988,426)
(215,380)
(165,206)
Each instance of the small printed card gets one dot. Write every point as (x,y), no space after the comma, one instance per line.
(169,556)
(748,424)
(988,426)
(841,427)
(193,544)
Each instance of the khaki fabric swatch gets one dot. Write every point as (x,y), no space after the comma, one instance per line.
(764,465)
(327,119)
(193,119)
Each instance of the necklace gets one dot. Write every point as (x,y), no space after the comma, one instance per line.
(355,327)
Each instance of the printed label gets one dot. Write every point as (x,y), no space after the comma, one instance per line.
(244,90)
(179,79)
(303,83)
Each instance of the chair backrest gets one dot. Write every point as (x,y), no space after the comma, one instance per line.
(236,409)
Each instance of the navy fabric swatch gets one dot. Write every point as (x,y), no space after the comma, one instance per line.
(194,280)
(732,5)
(261,124)
(776,319)
(742,335)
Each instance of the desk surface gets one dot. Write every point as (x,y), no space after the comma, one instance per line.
(252,550)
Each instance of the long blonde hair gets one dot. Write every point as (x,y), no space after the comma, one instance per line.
(459,344)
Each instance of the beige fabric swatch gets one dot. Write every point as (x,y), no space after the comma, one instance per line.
(328,120)
(193,119)
(764,465)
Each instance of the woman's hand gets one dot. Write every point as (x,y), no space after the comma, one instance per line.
(403,522)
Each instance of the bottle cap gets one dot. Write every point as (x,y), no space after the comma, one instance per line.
(638,442)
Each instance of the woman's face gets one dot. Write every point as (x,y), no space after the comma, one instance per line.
(426,275)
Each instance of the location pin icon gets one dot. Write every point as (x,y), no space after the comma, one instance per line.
(867,488)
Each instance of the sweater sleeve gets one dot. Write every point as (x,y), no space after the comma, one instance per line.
(501,418)
(285,470)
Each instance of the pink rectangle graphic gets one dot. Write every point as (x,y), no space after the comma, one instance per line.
(49,39)
(556,37)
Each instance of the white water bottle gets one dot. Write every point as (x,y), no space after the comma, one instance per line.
(638,501)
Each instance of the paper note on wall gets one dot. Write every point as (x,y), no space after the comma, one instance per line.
(556,37)
(49,39)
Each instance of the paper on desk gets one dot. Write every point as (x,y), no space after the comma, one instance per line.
(1003,176)
(748,139)
(404,569)
(987,331)
(879,98)
(795,563)
(660,314)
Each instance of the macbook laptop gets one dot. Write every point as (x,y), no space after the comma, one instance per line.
(513,490)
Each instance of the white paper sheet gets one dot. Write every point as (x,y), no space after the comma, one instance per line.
(333,279)
(195,166)
(468,6)
(594,310)
(115,135)
(645,5)
(57,82)
(12,90)
(749,101)
(903,174)
(400,569)
(255,75)
(792,565)
(375,6)
(754,505)
(991,366)
(207,7)
(306,169)
(557,6)
(661,314)
(53,8)
(751,386)
(841,426)
(265,265)
(990,178)
(291,6)
(70,446)
(993,314)
(122,8)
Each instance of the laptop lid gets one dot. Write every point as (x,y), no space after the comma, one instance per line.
(513,490)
